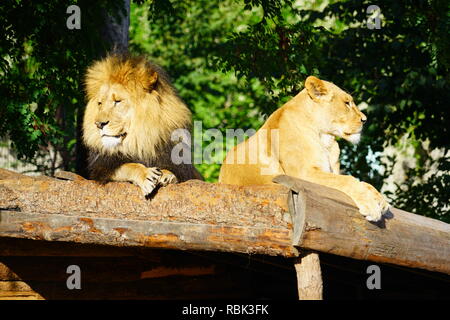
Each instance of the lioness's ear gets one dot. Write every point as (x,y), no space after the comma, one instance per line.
(315,87)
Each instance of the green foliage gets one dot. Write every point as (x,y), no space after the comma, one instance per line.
(42,64)
(430,196)
(184,43)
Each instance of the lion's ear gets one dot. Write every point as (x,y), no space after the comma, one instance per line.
(316,88)
(152,80)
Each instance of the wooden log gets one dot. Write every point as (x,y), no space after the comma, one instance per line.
(202,216)
(327,220)
(309,277)
(189,216)
(153,234)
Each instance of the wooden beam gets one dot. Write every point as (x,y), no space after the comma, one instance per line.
(327,220)
(189,216)
(152,234)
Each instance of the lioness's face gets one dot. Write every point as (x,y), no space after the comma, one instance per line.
(339,112)
(346,121)
(112,115)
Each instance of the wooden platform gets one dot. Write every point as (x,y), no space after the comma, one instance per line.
(138,248)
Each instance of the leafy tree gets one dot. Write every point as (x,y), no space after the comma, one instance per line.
(42,64)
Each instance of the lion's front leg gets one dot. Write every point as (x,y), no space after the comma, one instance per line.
(148,179)
(370,202)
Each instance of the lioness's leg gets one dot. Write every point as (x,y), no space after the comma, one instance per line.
(146,178)
(370,202)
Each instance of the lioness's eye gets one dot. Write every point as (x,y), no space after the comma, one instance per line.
(99,103)
(117,101)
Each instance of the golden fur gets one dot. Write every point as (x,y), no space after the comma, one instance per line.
(299,140)
(131,113)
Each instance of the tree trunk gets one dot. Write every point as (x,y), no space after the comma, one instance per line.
(115,35)
(115,30)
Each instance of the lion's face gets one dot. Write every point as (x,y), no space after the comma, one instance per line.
(338,113)
(132,108)
(109,119)
(113,115)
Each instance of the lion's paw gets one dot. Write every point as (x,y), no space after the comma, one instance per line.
(150,180)
(167,178)
(370,202)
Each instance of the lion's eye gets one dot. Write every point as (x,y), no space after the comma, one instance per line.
(99,103)
(117,101)
(348,104)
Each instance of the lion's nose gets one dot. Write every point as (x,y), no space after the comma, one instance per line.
(363,118)
(100,124)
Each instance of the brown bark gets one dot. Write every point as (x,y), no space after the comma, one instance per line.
(189,216)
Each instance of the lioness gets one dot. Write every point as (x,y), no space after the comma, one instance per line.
(306,148)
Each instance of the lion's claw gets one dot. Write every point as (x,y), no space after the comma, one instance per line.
(154,178)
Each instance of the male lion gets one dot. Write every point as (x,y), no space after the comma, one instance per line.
(306,148)
(130,116)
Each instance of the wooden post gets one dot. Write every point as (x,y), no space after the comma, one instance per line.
(309,277)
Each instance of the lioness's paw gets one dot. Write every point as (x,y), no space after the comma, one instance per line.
(167,178)
(370,202)
(150,180)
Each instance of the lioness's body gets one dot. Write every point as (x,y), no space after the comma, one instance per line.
(306,147)
(128,124)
